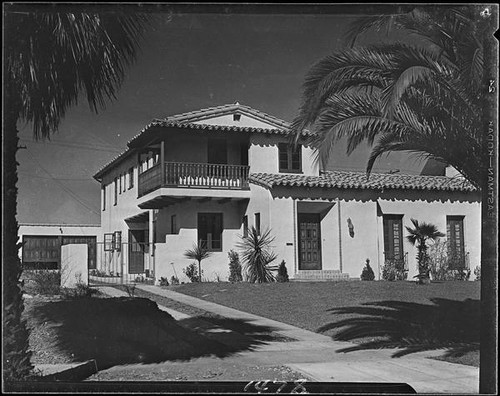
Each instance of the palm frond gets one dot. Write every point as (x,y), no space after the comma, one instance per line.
(54,57)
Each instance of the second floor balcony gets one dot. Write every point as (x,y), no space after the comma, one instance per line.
(193,175)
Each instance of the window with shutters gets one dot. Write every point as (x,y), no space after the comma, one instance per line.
(455,239)
(393,237)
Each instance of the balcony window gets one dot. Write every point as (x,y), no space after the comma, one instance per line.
(210,231)
(290,158)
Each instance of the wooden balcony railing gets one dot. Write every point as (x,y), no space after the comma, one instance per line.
(196,175)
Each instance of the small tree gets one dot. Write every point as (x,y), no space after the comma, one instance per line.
(282,275)
(234,267)
(367,274)
(257,256)
(192,273)
(199,253)
(419,236)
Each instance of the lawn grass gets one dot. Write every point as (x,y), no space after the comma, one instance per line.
(442,315)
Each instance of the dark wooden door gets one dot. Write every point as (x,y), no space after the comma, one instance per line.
(309,241)
(137,247)
(393,237)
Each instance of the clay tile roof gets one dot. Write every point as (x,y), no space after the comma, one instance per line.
(187,121)
(358,180)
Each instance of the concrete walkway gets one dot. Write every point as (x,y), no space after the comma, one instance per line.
(317,356)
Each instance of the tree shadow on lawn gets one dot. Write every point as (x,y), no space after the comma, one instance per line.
(447,324)
(117,331)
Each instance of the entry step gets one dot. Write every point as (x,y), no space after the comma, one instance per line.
(321,275)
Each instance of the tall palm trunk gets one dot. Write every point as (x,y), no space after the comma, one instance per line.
(16,355)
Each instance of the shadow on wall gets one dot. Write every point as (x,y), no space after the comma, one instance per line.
(117,331)
(448,324)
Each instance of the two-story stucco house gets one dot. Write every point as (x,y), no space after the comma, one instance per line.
(209,174)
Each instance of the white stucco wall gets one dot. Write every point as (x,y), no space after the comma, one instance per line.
(171,247)
(263,155)
(360,206)
(74,265)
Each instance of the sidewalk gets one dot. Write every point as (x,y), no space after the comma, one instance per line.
(317,356)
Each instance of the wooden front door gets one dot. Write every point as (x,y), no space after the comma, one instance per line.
(309,241)
(137,247)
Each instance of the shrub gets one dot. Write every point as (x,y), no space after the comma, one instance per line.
(191,271)
(81,290)
(394,270)
(367,274)
(477,273)
(163,281)
(130,289)
(234,267)
(174,280)
(46,282)
(441,265)
(198,252)
(282,275)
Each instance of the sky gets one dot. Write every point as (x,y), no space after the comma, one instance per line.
(186,62)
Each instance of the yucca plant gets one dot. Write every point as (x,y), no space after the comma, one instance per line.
(198,252)
(418,236)
(257,255)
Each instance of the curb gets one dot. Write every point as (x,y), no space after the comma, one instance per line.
(76,373)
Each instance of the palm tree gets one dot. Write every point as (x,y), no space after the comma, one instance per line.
(398,97)
(199,253)
(50,59)
(418,236)
(433,101)
(257,256)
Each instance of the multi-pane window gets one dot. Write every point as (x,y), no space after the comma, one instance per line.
(124,184)
(120,184)
(257,222)
(393,237)
(290,158)
(116,191)
(455,238)
(130,178)
(210,230)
